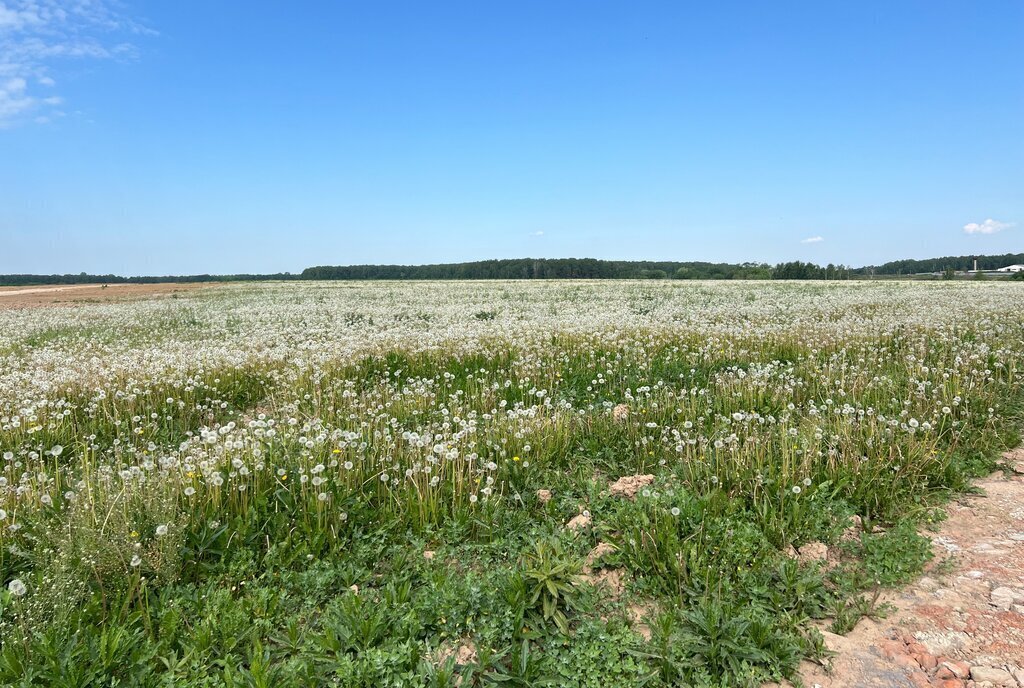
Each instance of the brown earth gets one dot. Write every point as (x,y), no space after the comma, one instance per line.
(962,624)
(66,294)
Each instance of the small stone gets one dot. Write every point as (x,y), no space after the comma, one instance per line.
(927,661)
(916,648)
(544,496)
(994,675)
(959,669)
(354,588)
(892,648)
(812,552)
(628,486)
(948,683)
(465,655)
(578,523)
(1004,598)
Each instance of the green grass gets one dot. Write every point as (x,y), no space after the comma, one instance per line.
(265,523)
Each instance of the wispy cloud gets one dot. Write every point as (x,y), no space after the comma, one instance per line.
(812,240)
(36,36)
(539,232)
(989,226)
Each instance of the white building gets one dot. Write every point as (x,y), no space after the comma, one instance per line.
(1012,268)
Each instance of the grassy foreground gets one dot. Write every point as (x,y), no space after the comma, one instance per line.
(373,484)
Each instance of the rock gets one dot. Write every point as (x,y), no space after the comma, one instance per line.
(969,585)
(919,679)
(466,654)
(1018,674)
(628,486)
(579,522)
(620,413)
(948,683)
(916,648)
(613,580)
(927,661)
(602,549)
(1015,458)
(853,530)
(544,496)
(943,642)
(891,649)
(995,676)
(1001,598)
(812,552)
(959,670)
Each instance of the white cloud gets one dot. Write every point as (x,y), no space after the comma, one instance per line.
(812,240)
(38,35)
(989,226)
(539,232)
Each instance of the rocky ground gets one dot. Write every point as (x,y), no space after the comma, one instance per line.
(962,624)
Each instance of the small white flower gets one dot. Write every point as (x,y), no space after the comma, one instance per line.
(161,530)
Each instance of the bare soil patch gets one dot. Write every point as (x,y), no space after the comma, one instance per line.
(962,624)
(66,294)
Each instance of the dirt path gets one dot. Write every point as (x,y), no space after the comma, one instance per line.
(30,297)
(959,626)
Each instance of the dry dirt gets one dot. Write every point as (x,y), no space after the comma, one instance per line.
(65,294)
(962,624)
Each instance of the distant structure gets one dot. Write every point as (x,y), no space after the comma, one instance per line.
(1012,268)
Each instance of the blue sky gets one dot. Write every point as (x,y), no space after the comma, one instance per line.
(185,137)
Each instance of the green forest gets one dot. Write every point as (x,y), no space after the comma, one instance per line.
(564,268)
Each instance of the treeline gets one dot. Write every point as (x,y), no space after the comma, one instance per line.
(560,268)
(810,271)
(85,278)
(542,268)
(958,263)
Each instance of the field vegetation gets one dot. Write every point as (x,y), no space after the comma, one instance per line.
(418,484)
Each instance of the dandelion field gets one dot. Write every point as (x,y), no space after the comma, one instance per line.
(410,484)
